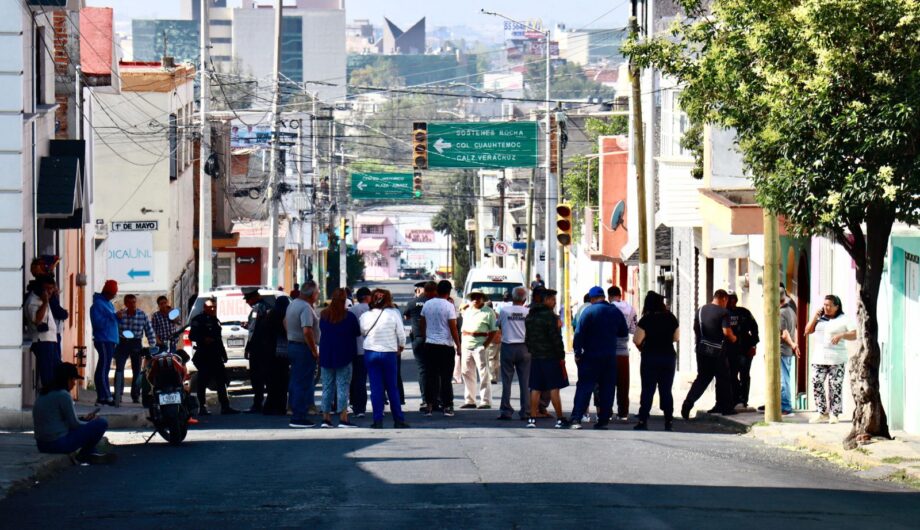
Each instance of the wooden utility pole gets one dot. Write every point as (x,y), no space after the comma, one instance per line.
(772,408)
(530,229)
(639,160)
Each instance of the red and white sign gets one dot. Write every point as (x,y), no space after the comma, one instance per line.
(500,248)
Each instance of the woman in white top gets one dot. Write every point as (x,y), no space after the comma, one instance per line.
(384,341)
(829,358)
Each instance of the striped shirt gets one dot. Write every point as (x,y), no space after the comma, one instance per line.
(138,323)
(165,330)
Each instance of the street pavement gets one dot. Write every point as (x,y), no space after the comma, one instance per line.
(469,471)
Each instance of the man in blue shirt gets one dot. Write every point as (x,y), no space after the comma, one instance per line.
(600,327)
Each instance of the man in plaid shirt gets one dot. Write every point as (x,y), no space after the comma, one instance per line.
(163,327)
(134,320)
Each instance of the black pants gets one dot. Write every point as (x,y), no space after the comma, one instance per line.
(709,368)
(258,371)
(215,376)
(278,377)
(418,351)
(740,364)
(357,392)
(657,372)
(439,365)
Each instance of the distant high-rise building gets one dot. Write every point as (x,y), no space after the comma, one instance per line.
(399,42)
(312,48)
(591,46)
(155,38)
(191,9)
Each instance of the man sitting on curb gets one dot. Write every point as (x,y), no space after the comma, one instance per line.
(57,428)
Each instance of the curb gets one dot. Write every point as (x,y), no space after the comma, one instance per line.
(725,421)
(41,471)
(853,458)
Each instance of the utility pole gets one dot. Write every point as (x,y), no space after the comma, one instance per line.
(501,215)
(772,408)
(333,190)
(314,195)
(275,158)
(639,161)
(551,197)
(205,271)
(530,227)
(343,245)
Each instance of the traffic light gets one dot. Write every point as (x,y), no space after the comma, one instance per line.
(564,224)
(420,145)
(417,184)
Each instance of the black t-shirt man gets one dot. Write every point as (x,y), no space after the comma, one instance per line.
(712,319)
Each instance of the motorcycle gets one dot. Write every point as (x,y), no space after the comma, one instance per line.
(165,391)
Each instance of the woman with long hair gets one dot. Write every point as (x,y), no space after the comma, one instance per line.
(384,341)
(828,360)
(656,333)
(339,329)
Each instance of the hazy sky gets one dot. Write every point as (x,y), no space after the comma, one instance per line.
(574,13)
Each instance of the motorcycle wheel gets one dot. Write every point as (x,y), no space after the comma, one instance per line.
(174,425)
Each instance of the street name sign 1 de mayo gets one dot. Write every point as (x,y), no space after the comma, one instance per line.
(483,144)
(375,186)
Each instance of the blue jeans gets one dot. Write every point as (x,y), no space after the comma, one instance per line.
(381,370)
(84,438)
(106,351)
(600,371)
(129,349)
(47,357)
(336,384)
(786,367)
(300,388)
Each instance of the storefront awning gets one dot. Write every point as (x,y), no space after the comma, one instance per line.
(372,244)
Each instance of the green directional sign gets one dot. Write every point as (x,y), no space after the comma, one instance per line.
(482,144)
(381,186)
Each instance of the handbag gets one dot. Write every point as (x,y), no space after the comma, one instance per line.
(374,324)
(706,348)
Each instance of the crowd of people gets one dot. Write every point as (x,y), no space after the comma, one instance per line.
(357,341)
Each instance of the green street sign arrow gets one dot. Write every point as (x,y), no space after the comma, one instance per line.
(482,145)
(381,186)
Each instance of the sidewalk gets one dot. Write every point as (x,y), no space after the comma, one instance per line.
(896,460)
(22,466)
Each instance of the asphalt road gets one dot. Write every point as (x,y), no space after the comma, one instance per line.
(469,471)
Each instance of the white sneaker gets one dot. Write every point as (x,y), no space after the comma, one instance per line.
(820,418)
(531,423)
(586,418)
(834,420)
(575,426)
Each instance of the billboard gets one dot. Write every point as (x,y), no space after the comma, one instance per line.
(254,129)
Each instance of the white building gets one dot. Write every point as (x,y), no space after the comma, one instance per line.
(144,188)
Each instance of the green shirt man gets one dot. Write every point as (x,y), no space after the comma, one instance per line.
(478,323)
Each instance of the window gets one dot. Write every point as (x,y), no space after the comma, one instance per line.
(221,40)
(674,123)
(173,148)
(372,229)
(39,78)
(180,141)
(221,22)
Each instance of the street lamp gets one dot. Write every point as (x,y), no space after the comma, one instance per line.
(551,188)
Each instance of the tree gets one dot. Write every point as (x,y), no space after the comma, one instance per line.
(383,73)
(824,96)
(451,220)
(567,81)
(354,265)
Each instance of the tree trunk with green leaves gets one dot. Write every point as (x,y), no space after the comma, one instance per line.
(824,98)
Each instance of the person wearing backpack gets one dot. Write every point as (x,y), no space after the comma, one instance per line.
(713,334)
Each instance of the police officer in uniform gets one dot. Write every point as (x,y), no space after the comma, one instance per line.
(260,347)
(210,357)
(413,314)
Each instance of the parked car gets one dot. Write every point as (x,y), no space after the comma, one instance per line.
(414,273)
(233,312)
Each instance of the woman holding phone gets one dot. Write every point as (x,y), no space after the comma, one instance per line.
(384,341)
(829,358)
